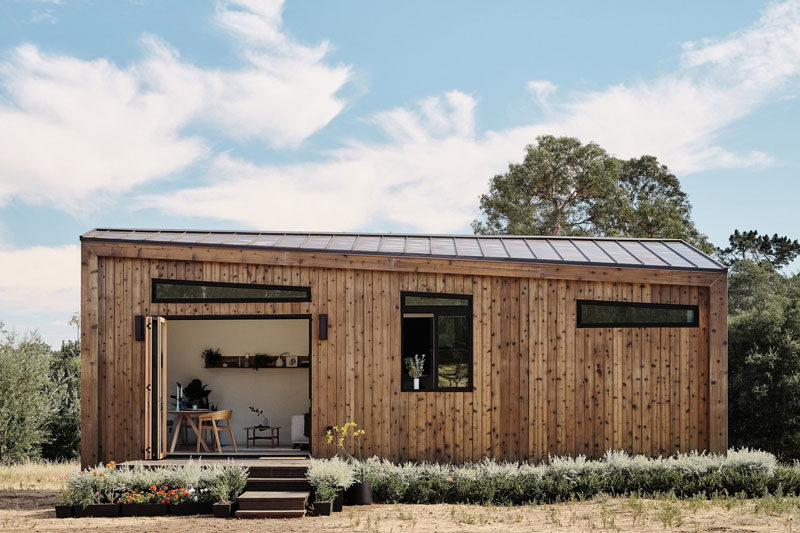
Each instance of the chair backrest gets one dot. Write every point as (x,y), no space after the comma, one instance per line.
(217,415)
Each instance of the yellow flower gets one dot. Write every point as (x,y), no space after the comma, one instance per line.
(330,438)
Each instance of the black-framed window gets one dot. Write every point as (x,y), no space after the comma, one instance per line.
(600,314)
(191,291)
(439,326)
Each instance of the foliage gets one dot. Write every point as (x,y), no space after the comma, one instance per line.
(64,422)
(348,435)
(415,365)
(325,493)
(555,190)
(749,245)
(748,472)
(563,187)
(193,481)
(764,360)
(334,472)
(652,205)
(212,357)
(26,395)
(228,484)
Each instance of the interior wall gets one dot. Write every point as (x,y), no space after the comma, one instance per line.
(280,392)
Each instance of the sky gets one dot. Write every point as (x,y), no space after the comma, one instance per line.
(367,116)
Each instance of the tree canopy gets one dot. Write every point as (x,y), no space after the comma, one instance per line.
(775,251)
(564,187)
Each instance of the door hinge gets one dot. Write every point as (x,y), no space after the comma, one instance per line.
(150,325)
(149,449)
(148,388)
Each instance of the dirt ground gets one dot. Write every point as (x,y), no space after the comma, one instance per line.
(32,510)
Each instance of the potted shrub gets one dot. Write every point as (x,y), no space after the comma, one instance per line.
(93,492)
(334,473)
(212,357)
(64,508)
(360,491)
(225,490)
(143,503)
(323,499)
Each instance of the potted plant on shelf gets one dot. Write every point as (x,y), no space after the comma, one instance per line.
(415,366)
(225,491)
(333,472)
(212,357)
(323,499)
(360,492)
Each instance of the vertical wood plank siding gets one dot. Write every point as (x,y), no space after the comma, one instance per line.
(540,384)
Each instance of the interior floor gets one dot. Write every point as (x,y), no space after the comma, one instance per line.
(242,450)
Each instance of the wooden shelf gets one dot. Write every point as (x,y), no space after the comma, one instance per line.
(236,361)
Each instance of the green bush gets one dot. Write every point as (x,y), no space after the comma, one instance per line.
(63,442)
(744,472)
(26,396)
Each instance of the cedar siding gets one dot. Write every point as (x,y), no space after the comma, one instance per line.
(541,385)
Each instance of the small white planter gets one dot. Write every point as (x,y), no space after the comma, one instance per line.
(416,383)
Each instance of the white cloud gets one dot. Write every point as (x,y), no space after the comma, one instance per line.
(541,90)
(429,173)
(71,128)
(40,280)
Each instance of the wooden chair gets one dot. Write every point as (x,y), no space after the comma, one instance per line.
(210,422)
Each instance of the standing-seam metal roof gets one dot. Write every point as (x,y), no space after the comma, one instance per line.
(598,251)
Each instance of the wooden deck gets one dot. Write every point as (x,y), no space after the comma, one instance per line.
(250,462)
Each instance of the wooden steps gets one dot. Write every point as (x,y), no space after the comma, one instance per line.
(296,484)
(272,504)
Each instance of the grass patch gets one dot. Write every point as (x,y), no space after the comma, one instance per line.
(36,475)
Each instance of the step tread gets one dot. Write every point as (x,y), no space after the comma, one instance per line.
(271,513)
(273,495)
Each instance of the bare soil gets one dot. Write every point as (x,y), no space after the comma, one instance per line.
(32,510)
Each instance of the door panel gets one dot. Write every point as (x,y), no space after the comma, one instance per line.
(156,391)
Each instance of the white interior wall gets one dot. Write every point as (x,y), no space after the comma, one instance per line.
(280,392)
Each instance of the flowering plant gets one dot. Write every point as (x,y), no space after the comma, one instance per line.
(415,366)
(338,436)
(136,496)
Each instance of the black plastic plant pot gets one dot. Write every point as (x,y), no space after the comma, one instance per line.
(144,509)
(323,508)
(189,508)
(63,511)
(105,510)
(226,510)
(360,493)
(337,502)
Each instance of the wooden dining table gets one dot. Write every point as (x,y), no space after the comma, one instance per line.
(189,415)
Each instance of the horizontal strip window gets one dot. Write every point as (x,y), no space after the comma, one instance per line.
(191,291)
(599,314)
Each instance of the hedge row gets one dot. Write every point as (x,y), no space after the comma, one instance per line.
(741,472)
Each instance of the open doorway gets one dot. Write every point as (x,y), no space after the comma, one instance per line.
(262,363)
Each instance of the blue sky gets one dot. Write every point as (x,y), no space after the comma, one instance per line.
(365,115)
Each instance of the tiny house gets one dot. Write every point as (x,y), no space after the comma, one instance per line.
(443,348)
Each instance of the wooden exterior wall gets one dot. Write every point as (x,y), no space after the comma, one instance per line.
(540,384)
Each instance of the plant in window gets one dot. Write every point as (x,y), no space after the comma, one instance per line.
(415,366)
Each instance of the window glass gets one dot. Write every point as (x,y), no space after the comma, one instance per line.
(440,327)
(454,356)
(625,314)
(411,300)
(189,291)
(418,341)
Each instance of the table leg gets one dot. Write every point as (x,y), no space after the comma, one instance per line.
(197,433)
(176,429)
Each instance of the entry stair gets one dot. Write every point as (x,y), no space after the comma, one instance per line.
(278,490)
